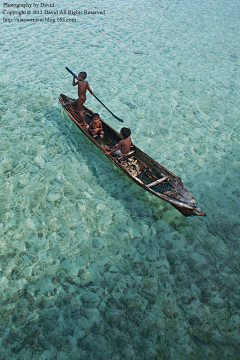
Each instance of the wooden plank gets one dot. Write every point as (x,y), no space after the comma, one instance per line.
(157,182)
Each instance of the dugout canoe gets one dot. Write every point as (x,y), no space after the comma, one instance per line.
(138,166)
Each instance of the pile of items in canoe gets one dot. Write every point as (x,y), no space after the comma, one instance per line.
(132,166)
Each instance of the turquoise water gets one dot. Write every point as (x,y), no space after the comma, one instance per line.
(92,267)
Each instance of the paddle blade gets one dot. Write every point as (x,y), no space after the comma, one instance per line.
(108,109)
(118,118)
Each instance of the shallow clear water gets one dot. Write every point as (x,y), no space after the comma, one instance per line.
(92,267)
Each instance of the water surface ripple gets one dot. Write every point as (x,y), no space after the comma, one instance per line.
(92,267)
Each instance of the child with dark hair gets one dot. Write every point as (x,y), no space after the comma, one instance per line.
(83,86)
(126,132)
(124,145)
(95,127)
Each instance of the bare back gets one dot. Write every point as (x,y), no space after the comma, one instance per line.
(125,145)
(82,88)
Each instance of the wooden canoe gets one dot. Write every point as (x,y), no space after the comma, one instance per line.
(138,166)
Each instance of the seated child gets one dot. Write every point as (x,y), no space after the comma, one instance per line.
(95,127)
(124,145)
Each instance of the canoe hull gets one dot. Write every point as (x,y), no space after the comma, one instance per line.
(175,193)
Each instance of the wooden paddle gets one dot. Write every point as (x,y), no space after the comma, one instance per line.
(95,96)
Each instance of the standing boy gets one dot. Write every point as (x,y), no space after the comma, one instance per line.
(82,88)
